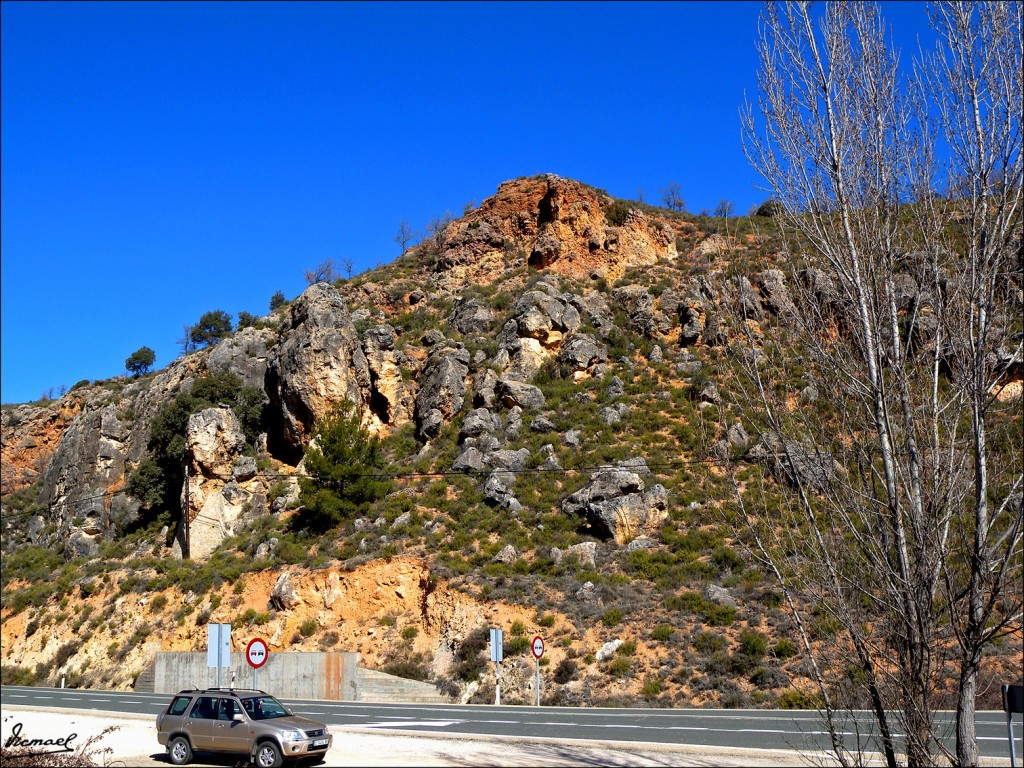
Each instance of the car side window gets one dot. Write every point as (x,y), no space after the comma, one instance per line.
(205,708)
(227,709)
(179,705)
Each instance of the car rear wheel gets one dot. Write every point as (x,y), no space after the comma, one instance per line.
(268,755)
(179,751)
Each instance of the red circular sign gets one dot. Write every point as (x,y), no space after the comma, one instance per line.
(257,652)
(537,646)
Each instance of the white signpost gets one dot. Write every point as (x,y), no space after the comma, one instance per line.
(218,649)
(537,647)
(256,654)
(497,653)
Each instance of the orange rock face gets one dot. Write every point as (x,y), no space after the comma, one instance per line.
(29,437)
(551,223)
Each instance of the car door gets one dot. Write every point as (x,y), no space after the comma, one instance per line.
(199,724)
(230,735)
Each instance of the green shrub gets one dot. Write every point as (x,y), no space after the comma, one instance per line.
(308,627)
(753,643)
(546,621)
(410,632)
(824,626)
(616,212)
(565,671)
(412,668)
(784,649)
(712,613)
(14,675)
(330,639)
(627,648)
(662,633)
(619,666)
(159,603)
(64,653)
(725,559)
(651,688)
(30,564)
(518,629)
(612,617)
(793,698)
(517,646)
(708,642)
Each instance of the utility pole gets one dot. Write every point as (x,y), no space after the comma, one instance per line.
(187,549)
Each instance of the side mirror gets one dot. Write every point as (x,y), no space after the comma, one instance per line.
(238,717)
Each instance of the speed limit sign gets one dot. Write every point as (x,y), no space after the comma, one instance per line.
(256,652)
(537,646)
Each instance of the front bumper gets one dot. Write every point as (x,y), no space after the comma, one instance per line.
(305,747)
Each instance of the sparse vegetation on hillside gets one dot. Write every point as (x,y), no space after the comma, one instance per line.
(617,366)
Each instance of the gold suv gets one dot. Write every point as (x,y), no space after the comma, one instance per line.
(239,722)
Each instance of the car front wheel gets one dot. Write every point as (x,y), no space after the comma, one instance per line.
(179,751)
(268,755)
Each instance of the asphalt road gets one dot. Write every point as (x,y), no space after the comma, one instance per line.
(741,729)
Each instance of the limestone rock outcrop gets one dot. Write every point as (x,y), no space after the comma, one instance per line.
(794,462)
(247,354)
(442,389)
(318,362)
(214,438)
(391,400)
(617,505)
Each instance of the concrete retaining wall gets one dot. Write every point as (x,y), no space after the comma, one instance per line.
(332,675)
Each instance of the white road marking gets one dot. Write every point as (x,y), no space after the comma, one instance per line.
(422,724)
(502,722)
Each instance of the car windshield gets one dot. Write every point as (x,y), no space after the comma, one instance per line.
(264,708)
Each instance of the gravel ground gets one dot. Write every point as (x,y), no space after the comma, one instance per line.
(134,743)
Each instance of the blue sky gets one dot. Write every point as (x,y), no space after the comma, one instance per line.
(164,159)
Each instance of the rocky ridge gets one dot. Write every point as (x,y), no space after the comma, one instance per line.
(487,352)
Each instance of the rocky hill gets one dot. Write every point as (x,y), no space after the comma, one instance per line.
(550,379)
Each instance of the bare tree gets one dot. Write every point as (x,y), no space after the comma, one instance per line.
(404,235)
(325,272)
(347,267)
(975,78)
(903,320)
(724,208)
(672,197)
(187,340)
(437,226)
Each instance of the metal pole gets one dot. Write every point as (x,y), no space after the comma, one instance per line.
(188,545)
(497,683)
(537,659)
(220,628)
(1009,732)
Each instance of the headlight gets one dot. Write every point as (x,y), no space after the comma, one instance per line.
(293,736)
